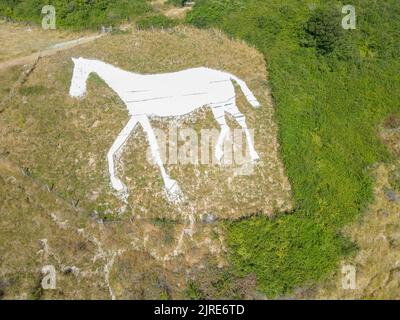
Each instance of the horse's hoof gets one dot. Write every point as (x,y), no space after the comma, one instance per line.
(254,156)
(118,185)
(174,192)
(121,189)
(218,156)
(123,196)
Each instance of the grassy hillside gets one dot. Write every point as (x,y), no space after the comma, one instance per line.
(332,88)
(22,40)
(329,103)
(88,128)
(38,229)
(377,235)
(63,142)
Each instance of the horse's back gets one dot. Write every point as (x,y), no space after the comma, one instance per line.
(177,93)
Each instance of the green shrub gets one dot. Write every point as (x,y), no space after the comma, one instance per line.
(77,14)
(328,107)
(155,21)
(322,30)
(33,90)
(208,13)
(177,3)
(193,292)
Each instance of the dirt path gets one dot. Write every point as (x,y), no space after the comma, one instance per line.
(48,52)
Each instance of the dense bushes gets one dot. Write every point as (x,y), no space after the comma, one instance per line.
(330,96)
(86,14)
(77,14)
(322,30)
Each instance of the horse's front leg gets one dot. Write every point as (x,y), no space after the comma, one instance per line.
(116,183)
(173,191)
(219,115)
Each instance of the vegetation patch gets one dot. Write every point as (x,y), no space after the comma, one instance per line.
(377,235)
(322,30)
(328,109)
(155,21)
(77,15)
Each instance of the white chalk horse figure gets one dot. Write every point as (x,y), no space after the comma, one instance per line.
(165,95)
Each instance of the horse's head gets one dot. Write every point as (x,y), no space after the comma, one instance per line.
(79,77)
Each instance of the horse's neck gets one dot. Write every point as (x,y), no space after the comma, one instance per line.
(109,73)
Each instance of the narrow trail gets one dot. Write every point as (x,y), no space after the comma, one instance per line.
(52,50)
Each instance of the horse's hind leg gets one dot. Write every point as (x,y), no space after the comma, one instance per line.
(117,145)
(219,115)
(174,193)
(241,119)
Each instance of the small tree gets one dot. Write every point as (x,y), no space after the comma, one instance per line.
(322,31)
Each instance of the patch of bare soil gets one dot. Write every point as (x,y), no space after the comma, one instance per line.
(169,10)
(177,13)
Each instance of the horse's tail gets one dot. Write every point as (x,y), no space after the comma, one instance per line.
(245,89)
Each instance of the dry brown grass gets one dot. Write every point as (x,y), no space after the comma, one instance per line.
(18,40)
(64,141)
(391,137)
(7,81)
(169,10)
(177,13)
(93,259)
(27,224)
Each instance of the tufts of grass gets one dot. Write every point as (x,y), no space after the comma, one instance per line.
(33,90)
(155,21)
(193,292)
